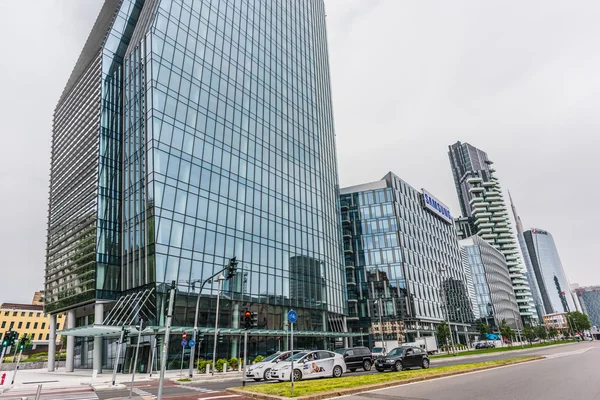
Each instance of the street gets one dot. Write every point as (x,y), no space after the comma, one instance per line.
(569,372)
(572,361)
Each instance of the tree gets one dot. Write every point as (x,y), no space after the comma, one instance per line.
(506,330)
(529,333)
(552,332)
(540,331)
(483,329)
(443,333)
(579,321)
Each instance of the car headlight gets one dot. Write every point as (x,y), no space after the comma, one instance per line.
(389,360)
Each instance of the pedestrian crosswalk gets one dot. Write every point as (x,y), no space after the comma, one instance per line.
(143,393)
(20,394)
(197,389)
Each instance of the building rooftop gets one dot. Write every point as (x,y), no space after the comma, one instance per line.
(17,306)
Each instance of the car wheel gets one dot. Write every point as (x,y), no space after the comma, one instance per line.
(398,366)
(352,369)
(367,365)
(267,374)
(337,371)
(425,363)
(297,375)
(380,369)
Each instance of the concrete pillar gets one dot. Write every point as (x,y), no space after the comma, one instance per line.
(70,342)
(235,324)
(52,343)
(98,341)
(345,330)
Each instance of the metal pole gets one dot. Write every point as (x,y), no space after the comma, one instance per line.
(2,356)
(448,318)
(137,349)
(38,393)
(219,279)
(195,333)
(152,356)
(245,356)
(181,365)
(16,368)
(165,351)
(381,326)
(292,355)
(119,345)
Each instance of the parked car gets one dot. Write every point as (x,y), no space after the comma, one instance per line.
(356,357)
(484,345)
(377,352)
(262,370)
(309,365)
(401,358)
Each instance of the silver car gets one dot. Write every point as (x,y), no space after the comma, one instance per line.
(309,365)
(262,370)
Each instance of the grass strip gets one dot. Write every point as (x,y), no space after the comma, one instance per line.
(322,388)
(501,349)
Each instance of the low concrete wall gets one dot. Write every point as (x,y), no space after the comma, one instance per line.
(28,365)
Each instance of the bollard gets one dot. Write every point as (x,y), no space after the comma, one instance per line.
(2,379)
(39,392)
(207,369)
(225,367)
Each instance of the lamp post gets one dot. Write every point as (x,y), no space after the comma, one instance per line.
(219,280)
(378,302)
(447,312)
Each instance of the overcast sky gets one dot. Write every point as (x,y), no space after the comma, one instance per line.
(520,80)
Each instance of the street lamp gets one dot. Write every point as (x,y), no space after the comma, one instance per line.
(219,280)
(378,302)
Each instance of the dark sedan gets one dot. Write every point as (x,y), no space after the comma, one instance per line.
(401,358)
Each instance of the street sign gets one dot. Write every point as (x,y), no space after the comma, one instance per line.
(192,343)
(184,343)
(184,335)
(292,316)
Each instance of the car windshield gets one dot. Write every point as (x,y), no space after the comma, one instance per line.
(377,349)
(296,357)
(340,351)
(272,357)
(397,351)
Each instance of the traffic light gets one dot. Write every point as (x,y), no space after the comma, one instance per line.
(23,342)
(231,268)
(14,338)
(220,338)
(254,319)
(6,340)
(247,320)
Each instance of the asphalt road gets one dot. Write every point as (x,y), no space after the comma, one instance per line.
(568,372)
(220,386)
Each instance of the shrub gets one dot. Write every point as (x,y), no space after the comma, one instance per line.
(258,359)
(220,363)
(233,362)
(201,365)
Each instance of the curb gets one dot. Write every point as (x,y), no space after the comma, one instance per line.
(382,385)
(459,357)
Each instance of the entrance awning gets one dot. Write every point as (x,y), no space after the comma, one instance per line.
(115,331)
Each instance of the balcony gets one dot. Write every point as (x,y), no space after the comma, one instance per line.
(346,218)
(348,248)
(474,180)
(350,279)
(349,262)
(345,205)
(347,233)
(477,189)
(352,296)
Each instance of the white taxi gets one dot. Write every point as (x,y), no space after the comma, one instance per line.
(309,365)
(262,370)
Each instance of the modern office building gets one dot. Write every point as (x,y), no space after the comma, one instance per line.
(495,297)
(189,133)
(531,277)
(481,200)
(549,273)
(589,298)
(403,265)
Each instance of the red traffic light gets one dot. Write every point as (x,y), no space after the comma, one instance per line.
(247,314)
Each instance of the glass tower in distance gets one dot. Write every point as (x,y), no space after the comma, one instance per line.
(190,132)
(482,202)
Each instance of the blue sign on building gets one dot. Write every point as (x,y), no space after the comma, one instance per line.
(437,207)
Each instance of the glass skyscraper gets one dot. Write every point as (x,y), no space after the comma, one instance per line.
(549,273)
(403,263)
(190,132)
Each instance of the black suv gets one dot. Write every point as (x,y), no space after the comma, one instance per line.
(356,357)
(401,358)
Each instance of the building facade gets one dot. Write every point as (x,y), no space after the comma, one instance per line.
(558,321)
(589,298)
(495,298)
(187,134)
(481,199)
(549,273)
(403,265)
(29,320)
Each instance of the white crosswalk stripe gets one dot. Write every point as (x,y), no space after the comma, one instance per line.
(143,393)
(197,389)
(51,396)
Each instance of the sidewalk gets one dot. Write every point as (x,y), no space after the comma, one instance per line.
(60,379)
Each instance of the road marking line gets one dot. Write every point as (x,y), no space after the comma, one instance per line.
(218,397)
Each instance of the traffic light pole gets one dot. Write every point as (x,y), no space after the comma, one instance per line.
(2,356)
(245,357)
(195,333)
(114,377)
(16,368)
(219,279)
(165,350)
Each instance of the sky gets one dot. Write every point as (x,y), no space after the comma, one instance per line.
(519,80)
